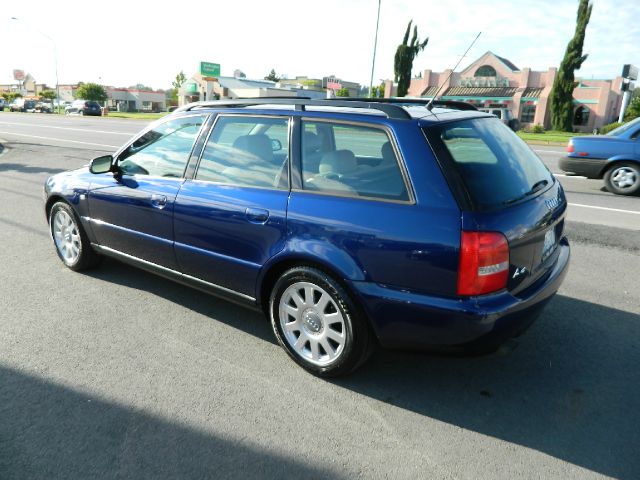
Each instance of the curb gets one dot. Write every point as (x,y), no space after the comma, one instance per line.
(543,142)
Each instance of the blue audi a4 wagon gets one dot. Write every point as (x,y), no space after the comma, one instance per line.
(351,224)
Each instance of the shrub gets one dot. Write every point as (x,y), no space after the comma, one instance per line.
(537,128)
(607,128)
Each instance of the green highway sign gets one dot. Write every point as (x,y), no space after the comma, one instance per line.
(209,69)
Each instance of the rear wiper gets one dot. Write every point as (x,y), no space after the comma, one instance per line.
(536,187)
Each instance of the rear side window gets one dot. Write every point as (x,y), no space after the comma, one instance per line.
(351,160)
(494,165)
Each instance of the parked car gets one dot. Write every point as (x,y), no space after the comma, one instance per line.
(350,224)
(3,104)
(614,157)
(83,107)
(23,105)
(505,116)
(43,107)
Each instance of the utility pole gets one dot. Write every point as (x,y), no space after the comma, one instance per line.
(375,46)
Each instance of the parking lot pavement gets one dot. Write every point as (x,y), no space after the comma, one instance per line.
(120,374)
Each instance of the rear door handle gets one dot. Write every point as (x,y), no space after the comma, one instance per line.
(257,215)
(158,201)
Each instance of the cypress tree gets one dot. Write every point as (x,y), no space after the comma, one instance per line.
(562,92)
(403,62)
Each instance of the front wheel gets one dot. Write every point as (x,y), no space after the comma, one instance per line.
(318,324)
(623,178)
(71,242)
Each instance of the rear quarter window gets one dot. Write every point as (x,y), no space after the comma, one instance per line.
(494,166)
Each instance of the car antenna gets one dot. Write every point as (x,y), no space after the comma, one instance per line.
(430,104)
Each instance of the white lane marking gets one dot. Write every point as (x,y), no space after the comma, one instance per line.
(61,140)
(604,208)
(66,128)
(579,177)
(550,151)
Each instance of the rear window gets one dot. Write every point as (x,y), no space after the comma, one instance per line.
(495,167)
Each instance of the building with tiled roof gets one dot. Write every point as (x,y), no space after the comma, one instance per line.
(494,81)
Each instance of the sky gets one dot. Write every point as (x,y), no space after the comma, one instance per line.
(124,43)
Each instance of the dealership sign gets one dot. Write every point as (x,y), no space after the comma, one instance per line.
(18,75)
(208,69)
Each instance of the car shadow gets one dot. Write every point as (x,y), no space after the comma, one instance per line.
(568,388)
(17,167)
(51,431)
(236,316)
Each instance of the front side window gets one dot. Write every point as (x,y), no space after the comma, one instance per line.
(248,152)
(164,150)
(350,160)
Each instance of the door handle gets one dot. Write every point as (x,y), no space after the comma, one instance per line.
(158,201)
(257,215)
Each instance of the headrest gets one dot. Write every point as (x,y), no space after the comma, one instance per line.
(338,161)
(310,142)
(258,145)
(387,152)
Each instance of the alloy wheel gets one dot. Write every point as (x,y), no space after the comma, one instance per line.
(312,323)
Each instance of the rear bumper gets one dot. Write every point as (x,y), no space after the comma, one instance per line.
(587,167)
(407,320)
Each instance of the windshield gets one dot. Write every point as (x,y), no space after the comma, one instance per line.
(496,167)
(623,128)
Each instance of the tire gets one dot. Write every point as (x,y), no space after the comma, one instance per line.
(70,240)
(318,324)
(623,178)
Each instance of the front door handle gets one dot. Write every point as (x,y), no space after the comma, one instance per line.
(257,215)
(158,201)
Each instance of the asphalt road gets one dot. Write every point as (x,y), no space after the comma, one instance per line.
(120,374)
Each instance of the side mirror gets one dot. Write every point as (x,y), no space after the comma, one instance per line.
(276,145)
(101,164)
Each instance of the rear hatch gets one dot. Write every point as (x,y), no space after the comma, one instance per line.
(502,186)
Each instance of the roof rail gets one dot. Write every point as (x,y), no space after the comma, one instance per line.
(390,110)
(453,104)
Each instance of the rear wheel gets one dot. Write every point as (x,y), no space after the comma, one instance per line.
(71,242)
(623,178)
(318,324)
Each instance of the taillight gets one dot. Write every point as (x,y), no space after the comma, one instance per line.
(570,148)
(484,263)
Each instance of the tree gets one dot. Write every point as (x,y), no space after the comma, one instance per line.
(272,76)
(92,91)
(48,95)
(10,96)
(343,92)
(561,97)
(633,110)
(377,92)
(403,62)
(180,79)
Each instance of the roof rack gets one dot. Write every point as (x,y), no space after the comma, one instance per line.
(453,104)
(388,108)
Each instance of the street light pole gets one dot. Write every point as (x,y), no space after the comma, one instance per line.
(375,46)
(55,55)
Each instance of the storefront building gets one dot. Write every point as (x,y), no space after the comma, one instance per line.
(493,81)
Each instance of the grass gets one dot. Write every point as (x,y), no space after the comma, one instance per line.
(136,115)
(548,136)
